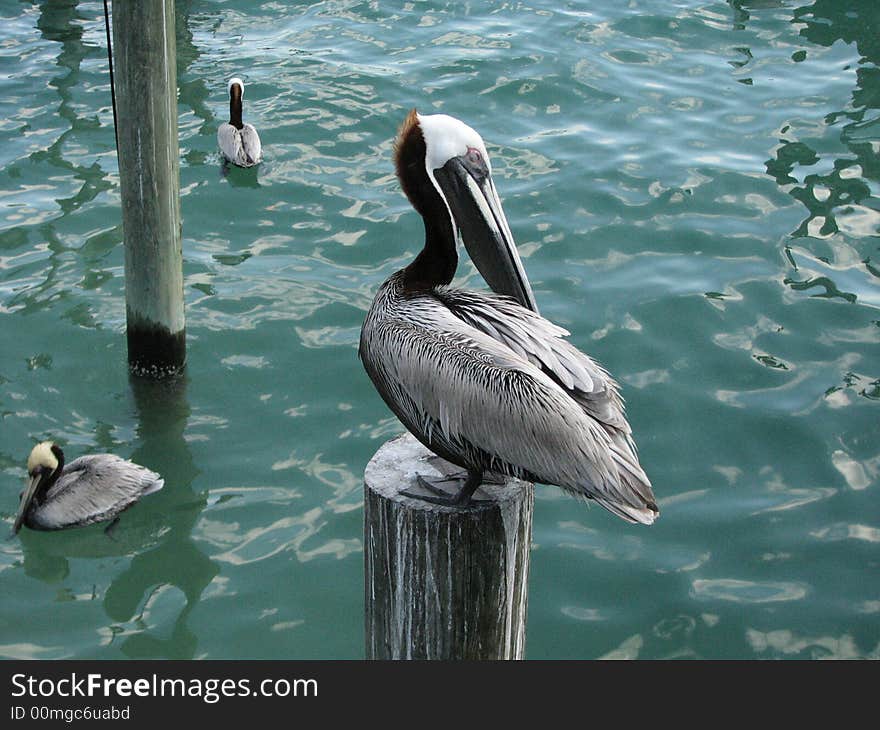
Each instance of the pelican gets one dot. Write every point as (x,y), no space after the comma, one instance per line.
(90,489)
(481,379)
(238,141)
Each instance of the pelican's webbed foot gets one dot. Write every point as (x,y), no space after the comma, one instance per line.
(462,498)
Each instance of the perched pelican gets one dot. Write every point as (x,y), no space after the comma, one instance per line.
(239,142)
(91,489)
(482,379)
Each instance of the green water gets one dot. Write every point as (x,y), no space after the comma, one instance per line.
(695,191)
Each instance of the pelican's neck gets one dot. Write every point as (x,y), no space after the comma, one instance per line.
(436,263)
(235,106)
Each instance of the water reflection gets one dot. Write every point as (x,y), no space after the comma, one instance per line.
(46,556)
(60,22)
(835,196)
(826,159)
(784,642)
(738,590)
(61,166)
(192,91)
(176,561)
(240,177)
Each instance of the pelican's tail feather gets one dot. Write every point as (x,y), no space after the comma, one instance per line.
(633,499)
(642,515)
(153,486)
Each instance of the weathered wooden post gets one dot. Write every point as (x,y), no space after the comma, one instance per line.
(443,582)
(149,173)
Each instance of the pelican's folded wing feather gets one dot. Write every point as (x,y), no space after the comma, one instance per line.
(544,345)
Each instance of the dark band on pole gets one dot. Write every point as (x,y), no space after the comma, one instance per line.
(154,351)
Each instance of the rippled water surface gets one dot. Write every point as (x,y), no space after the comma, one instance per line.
(695,190)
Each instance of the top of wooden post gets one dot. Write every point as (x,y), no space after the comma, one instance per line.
(395,466)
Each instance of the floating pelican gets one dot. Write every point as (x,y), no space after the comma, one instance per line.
(482,379)
(91,489)
(239,142)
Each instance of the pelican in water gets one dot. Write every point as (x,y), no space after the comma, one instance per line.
(481,379)
(238,141)
(89,489)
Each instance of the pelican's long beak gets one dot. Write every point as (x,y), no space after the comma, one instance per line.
(27,496)
(473,200)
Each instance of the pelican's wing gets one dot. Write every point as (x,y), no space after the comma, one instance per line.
(229,141)
(542,343)
(471,392)
(252,148)
(93,487)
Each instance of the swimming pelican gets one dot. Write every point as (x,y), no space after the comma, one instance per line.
(482,379)
(238,141)
(91,489)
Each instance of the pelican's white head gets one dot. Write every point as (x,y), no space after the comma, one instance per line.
(235,80)
(42,457)
(447,137)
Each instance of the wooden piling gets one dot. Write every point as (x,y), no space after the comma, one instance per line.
(443,582)
(149,172)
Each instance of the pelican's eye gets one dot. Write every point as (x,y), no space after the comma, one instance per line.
(474,155)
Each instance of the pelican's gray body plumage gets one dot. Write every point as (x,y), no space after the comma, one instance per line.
(483,380)
(92,488)
(241,147)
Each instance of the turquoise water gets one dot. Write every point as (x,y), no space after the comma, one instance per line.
(695,191)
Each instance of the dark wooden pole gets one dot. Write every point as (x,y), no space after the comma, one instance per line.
(149,172)
(443,582)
